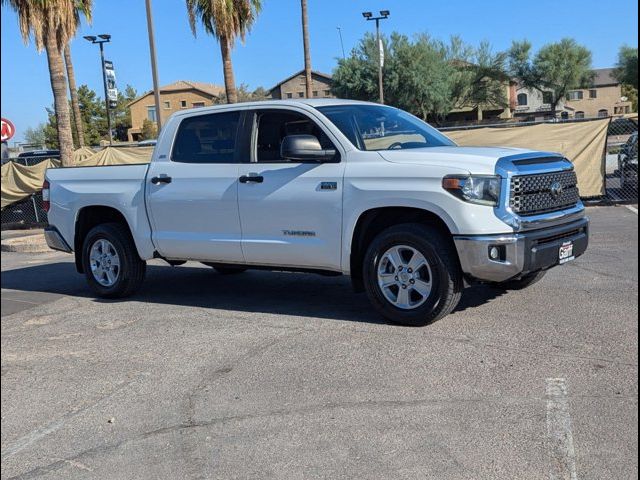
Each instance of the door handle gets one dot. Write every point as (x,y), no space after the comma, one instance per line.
(251,178)
(161,179)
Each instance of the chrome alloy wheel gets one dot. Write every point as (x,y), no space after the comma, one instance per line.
(404,276)
(105,262)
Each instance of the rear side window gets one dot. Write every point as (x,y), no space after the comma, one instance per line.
(207,139)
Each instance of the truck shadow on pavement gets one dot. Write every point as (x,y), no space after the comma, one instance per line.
(297,294)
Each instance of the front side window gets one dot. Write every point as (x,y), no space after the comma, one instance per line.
(151,113)
(522,99)
(376,127)
(274,125)
(207,139)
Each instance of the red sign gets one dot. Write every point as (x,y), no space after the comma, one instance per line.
(8,130)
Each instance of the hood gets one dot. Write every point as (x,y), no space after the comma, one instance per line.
(477,160)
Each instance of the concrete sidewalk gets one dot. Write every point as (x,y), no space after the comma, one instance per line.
(24,241)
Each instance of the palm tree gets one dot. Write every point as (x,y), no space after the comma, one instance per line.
(225,20)
(75,105)
(52,23)
(307,53)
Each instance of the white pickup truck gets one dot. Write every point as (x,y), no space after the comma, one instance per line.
(328,186)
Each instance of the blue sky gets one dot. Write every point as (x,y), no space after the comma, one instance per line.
(273,50)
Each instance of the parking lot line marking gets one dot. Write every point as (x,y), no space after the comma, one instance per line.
(633,209)
(560,438)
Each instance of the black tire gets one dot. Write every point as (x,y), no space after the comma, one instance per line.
(446,273)
(226,270)
(523,282)
(132,269)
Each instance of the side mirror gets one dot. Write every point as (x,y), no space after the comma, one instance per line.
(305,148)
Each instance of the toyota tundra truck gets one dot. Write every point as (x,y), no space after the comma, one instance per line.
(328,186)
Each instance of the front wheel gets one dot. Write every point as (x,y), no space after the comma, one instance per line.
(412,275)
(111,263)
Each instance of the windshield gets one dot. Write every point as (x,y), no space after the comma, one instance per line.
(376,127)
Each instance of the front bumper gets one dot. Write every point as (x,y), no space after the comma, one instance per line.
(55,240)
(521,253)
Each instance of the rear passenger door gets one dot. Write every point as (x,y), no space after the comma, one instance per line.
(290,211)
(192,190)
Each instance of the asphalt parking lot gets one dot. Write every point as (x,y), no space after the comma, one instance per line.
(287,376)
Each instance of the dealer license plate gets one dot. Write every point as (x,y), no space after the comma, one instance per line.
(565,253)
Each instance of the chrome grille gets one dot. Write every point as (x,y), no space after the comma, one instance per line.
(533,195)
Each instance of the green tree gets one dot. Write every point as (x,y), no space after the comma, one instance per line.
(245,95)
(51,24)
(425,76)
(557,67)
(149,130)
(122,114)
(226,20)
(480,78)
(626,70)
(632,94)
(36,136)
(92,111)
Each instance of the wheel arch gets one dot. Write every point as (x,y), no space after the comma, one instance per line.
(91,216)
(373,221)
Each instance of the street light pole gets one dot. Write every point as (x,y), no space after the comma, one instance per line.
(384,14)
(103,39)
(154,65)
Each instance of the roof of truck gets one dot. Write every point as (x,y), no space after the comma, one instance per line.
(311,102)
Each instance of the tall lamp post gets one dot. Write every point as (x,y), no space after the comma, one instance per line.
(154,65)
(101,40)
(384,14)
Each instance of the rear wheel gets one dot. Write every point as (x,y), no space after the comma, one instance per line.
(412,275)
(111,263)
(524,282)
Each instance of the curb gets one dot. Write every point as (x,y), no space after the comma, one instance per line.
(25,244)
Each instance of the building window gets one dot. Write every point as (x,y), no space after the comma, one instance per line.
(151,114)
(627,109)
(167,105)
(603,113)
(547,97)
(197,104)
(301,94)
(315,93)
(575,95)
(183,104)
(522,99)
(289,95)
(593,94)
(327,93)
(579,114)
(618,110)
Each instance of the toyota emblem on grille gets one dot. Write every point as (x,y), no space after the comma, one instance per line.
(556,189)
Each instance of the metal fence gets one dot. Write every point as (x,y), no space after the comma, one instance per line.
(621,162)
(25,214)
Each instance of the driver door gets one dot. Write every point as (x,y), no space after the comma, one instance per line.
(290,211)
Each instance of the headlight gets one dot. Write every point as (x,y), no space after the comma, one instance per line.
(480,189)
